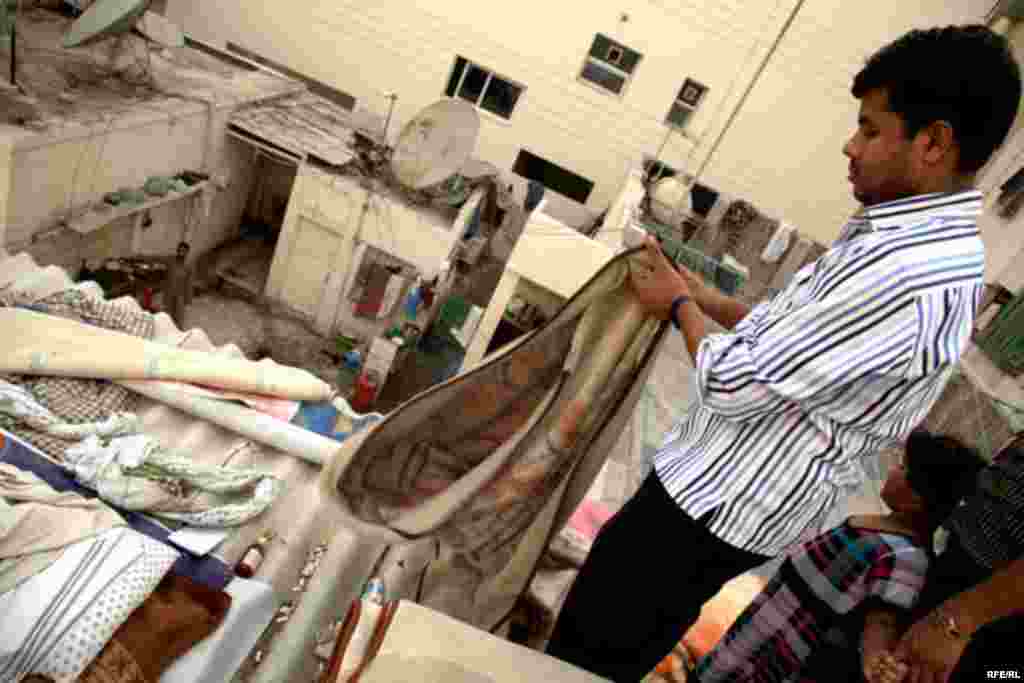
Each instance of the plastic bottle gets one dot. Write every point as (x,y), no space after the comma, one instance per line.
(253,556)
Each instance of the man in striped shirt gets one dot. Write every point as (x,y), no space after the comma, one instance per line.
(805,387)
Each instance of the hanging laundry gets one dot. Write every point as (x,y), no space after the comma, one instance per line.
(738,217)
(207,570)
(778,244)
(69,612)
(37,523)
(138,473)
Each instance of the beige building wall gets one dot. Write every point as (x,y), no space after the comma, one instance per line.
(53,176)
(783,153)
(785,150)
(324,236)
(1004,238)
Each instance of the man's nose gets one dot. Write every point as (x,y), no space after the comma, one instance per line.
(849,148)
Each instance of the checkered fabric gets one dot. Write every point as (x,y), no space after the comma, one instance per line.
(73,400)
(800,609)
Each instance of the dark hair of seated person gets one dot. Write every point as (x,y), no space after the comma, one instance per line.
(942,471)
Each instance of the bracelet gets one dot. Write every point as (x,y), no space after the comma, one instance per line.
(674,310)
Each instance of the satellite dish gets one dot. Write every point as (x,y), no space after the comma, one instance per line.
(436,143)
(103,19)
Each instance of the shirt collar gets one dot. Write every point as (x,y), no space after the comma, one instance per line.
(916,209)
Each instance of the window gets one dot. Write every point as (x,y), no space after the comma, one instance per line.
(687,101)
(483,88)
(609,65)
(552,176)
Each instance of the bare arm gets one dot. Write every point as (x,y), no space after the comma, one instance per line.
(1000,596)
(934,644)
(722,308)
(659,286)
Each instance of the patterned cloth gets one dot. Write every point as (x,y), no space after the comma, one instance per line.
(207,570)
(37,523)
(493,462)
(136,472)
(843,362)
(23,415)
(73,400)
(68,613)
(990,522)
(803,607)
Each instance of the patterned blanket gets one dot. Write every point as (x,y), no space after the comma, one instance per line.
(494,461)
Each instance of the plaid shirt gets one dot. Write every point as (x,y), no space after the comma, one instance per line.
(990,523)
(802,607)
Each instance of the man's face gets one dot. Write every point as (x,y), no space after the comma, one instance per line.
(882,166)
(182,253)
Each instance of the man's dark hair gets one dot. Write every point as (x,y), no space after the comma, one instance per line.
(184,245)
(964,75)
(941,470)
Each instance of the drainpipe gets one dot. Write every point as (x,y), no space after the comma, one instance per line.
(750,87)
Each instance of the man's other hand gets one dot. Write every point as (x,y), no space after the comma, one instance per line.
(657,283)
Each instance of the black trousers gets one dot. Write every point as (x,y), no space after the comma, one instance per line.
(642,586)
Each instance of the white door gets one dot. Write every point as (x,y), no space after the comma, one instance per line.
(312,261)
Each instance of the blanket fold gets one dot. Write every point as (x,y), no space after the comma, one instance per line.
(494,461)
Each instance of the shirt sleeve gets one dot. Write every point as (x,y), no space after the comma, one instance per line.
(840,351)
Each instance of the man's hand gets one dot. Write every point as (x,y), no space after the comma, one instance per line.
(882,667)
(880,636)
(929,651)
(659,283)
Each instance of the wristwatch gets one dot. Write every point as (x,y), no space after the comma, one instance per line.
(674,311)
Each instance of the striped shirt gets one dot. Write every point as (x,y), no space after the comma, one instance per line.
(843,362)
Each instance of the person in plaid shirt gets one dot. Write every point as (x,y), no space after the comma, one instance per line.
(819,597)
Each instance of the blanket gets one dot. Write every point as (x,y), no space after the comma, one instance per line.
(75,400)
(58,621)
(178,615)
(46,345)
(494,461)
(136,472)
(37,523)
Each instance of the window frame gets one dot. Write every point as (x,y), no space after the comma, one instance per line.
(690,107)
(491,75)
(610,66)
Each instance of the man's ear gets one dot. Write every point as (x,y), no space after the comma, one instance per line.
(938,141)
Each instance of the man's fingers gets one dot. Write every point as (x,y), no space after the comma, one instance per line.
(658,260)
